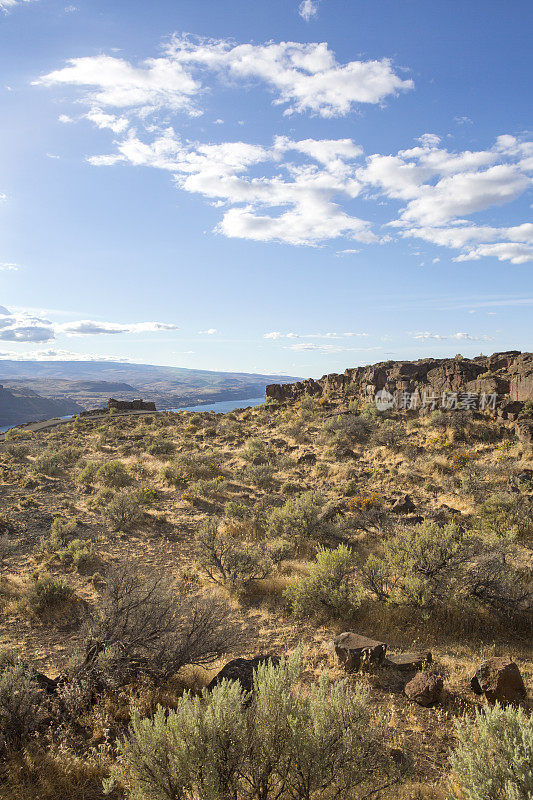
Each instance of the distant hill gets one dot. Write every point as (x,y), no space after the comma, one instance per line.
(89,384)
(17,407)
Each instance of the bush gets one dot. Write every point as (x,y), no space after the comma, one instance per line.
(123,510)
(418,564)
(48,463)
(88,473)
(114,474)
(348,429)
(328,590)
(493,759)
(229,562)
(146,626)
(196,466)
(299,518)
(161,447)
(50,599)
(173,476)
(506,516)
(21,702)
(260,474)
(284,744)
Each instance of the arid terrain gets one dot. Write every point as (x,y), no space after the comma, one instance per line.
(305,519)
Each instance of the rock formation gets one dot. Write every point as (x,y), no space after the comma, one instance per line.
(130,405)
(505,380)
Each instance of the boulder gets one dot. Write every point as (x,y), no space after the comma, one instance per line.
(499,679)
(354,651)
(242,670)
(409,661)
(424,689)
(403,505)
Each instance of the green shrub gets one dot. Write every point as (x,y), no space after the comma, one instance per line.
(48,463)
(262,475)
(197,466)
(505,516)
(114,474)
(299,518)
(49,599)
(493,759)
(418,564)
(88,473)
(172,475)
(328,591)
(161,447)
(285,744)
(123,510)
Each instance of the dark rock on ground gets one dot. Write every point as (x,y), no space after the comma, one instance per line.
(424,689)
(409,661)
(499,679)
(354,651)
(403,505)
(242,670)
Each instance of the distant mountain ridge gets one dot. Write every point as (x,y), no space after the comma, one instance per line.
(89,384)
(19,407)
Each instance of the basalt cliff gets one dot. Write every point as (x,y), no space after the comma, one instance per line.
(504,380)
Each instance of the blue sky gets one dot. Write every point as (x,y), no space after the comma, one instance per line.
(275,186)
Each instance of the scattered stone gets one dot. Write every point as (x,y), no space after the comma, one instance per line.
(307,458)
(409,661)
(499,679)
(242,670)
(403,505)
(424,689)
(354,651)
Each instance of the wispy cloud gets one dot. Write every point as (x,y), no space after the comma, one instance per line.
(9,5)
(308,9)
(208,332)
(6,266)
(457,336)
(22,326)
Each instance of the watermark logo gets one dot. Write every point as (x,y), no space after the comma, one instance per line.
(384,400)
(447,401)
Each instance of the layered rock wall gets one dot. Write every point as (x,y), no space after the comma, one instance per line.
(507,375)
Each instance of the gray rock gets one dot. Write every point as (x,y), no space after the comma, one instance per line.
(355,651)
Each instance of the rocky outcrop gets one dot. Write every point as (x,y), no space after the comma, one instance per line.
(130,405)
(507,375)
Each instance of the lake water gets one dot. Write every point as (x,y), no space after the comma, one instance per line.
(223,406)
(220,408)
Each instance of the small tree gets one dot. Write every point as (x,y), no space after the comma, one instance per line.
(228,561)
(493,759)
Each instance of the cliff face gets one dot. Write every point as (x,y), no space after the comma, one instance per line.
(508,375)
